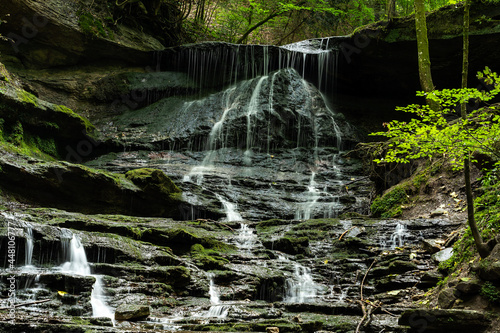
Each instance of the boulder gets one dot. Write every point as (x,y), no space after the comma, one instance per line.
(438,212)
(439,320)
(430,246)
(272,329)
(468,287)
(489,268)
(132,312)
(75,187)
(447,298)
(443,255)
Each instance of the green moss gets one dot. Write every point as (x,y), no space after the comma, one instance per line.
(93,26)
(389,205)
(80,321)
(491,292)
(153,179)
(27,97)
(16,135)
(207,259)
(89,128)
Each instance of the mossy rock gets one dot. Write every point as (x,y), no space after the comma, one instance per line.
(289,245)
(78,188)
(389,204)
(132,312)
(154,181)
(207,259)
(34,125)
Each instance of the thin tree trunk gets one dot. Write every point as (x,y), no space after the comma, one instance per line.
(390,9)
(424,60)
(482,248)
(257,25)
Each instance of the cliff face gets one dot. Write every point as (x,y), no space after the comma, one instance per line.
(60,33)
(381,59)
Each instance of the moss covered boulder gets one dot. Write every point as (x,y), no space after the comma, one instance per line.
(78,188)
(29,122)
(132,312)
(154,181)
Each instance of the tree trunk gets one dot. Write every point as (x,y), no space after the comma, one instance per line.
(257,25)
(482,248)
(424,60)
(390,9)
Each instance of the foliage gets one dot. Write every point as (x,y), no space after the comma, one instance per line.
(389,205)
(491,292)
(281,22)
(93,26)
(430,134)
(257,20)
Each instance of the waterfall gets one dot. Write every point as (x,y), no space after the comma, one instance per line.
(99,306)
(301,288)
(399,235)
(329,204)
(253,109)
(78,264)
(230,209)
(28,252)
(246,238)
(217,310)
(304,211)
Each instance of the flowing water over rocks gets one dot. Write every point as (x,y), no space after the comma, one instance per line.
(296,275)
(276,232)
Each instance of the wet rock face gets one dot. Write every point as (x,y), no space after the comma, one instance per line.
(170,266)
(53,33)
(281,110)
(439,320)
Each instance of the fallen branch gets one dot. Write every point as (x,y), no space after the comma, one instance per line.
(356,180)
(345,232)
(366,314)
(25,304)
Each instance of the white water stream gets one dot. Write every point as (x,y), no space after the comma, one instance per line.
(78,264)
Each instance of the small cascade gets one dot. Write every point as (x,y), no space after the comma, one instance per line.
(246,239)
(99,306)
(301,288)
(230,209)
(216,139)
(78,264)
(253,109)
(28,253)
(313,194)
(217,310)
(317,199)
(399,235)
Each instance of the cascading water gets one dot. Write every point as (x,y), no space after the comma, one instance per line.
(399,235)
(78,264)
(217,310)
(253,109)
(28,254)
(301,288)
(230,209)
(246,239)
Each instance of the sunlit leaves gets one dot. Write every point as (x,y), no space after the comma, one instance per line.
(429,133)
